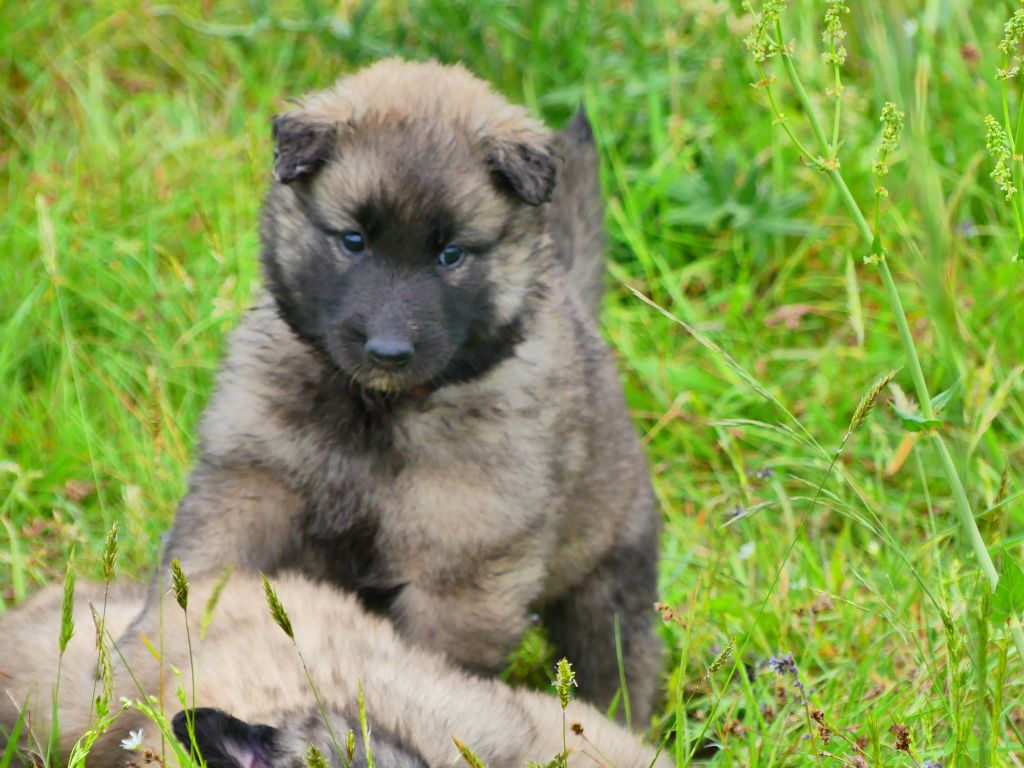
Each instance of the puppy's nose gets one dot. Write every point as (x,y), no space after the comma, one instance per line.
(389,353)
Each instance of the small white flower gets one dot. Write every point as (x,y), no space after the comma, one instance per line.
(133,742)
(747,550)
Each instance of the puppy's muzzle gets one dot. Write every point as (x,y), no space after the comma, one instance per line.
(389,353)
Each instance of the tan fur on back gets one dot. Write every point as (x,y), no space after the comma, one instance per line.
(247,666)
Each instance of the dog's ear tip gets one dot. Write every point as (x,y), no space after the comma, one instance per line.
(528,167)
(301,145)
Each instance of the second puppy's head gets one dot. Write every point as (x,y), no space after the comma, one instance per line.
(403,236)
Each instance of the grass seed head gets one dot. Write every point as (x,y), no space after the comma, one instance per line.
(1004,484)
(867,403)
(759,42)
(277,611)
(67,622)
(834,33)
(565,678)
(364,725)
(558,761)
(350,746)
(901,742)
(110,553)
(468,755)
(105,663)
(892,131)
(179,584)
(998,145)
(314,758)
(214,599)
(892,126)
(722,658)
(1013,30)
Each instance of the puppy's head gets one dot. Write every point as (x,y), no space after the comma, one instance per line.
(403,235)
(225,741)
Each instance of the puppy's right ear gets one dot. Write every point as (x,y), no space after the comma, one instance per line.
(225,741)
(526,163)
(301,145)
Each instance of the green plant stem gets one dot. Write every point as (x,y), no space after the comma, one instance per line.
(1018,136)
(103,622)
(805,102)
(1014,137)
(962,503)
(53,743)
(320,706)
(909,348)
(837,84)
(963,507)
(779,117)
(190,714)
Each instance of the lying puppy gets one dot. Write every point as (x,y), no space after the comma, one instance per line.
(420,408)
(253,704)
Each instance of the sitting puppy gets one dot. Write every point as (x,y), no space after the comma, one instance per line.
(253,704)
(420,408)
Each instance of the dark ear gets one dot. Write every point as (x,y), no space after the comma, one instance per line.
(301,145)
(225,741)
(526,166)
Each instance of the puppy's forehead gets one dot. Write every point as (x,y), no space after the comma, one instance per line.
(393,89)
(409,170)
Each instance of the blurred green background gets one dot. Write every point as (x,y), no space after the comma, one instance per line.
(135,147)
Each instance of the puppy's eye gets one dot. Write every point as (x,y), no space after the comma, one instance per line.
(451,256)
(353,242)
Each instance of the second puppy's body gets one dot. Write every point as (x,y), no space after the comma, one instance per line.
(254,707)
(421,409)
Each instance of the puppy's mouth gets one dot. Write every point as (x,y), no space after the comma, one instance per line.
(388,366)
(417,379)
(393,385)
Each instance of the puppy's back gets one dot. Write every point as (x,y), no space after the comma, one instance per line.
(248,667)
(30,654)
(577,213)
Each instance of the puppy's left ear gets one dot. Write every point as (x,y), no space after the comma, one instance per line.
(225,741)
(301,145)
(526,163)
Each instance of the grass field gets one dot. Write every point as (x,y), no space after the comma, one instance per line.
(135,146)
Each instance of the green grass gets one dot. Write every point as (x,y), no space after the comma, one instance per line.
(135,148)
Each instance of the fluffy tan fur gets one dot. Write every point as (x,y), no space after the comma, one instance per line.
(247,666)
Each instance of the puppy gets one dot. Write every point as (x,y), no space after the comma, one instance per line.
(252,706)
(420,408)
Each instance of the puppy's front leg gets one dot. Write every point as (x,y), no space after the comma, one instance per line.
(581,624)
(231,516)
(475,622)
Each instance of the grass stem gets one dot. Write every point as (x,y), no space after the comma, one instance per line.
(961,503)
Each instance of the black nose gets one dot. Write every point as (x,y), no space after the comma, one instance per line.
(389,353)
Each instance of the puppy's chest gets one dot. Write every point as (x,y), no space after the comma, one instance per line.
(470,481)
(453,485)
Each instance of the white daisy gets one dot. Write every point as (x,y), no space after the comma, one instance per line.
(134,740)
